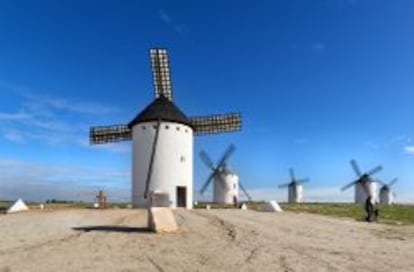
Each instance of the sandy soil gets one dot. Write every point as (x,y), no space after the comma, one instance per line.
(215,240)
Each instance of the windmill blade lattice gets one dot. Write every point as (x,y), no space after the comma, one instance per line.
(161,73)
(109,134)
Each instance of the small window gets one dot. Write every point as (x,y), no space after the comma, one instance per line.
(167,126)
(143,127)
(182,158)
(186,130)
(177,128)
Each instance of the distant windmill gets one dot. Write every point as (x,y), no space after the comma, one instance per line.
(295,187)
(226,183)
(387,195)
(98,197)
(101,198)
(365,185)
(162,141)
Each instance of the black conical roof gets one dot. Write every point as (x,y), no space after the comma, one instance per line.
(163,109)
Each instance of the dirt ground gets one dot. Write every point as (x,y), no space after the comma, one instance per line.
(208,240)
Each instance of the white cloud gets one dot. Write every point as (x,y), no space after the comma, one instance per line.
(14,136)
(396,141)
(180,28)
(49,124)
(14,116)
(40,181)
(399,139)
(373,145)
(72,105)
(49,120)
(164,16)
(409,149)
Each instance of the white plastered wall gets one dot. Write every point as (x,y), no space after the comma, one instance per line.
(386,197)
(295,193)
(361,193)
(226,187)
(173,162)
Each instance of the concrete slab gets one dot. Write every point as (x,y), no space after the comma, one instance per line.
(161,219)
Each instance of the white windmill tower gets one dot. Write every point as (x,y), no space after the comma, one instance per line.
(387,195)
(295,187)
(364,186)
(162,141)
(226,183)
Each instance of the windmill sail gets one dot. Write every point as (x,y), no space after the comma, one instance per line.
(217,123)
(108,134)
(161,73)
(216,170)
(365,185)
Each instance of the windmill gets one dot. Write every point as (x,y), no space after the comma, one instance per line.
(295,187)
(98,197)
(226,183)
(365,185)
(101,198)
(162,141)
(387,195)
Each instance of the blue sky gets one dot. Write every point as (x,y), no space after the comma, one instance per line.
(318,83)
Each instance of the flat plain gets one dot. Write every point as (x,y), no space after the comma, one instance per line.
(207,240)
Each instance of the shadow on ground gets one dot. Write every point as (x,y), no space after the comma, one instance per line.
(112,229)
